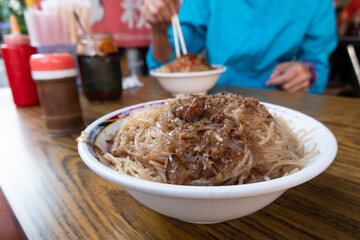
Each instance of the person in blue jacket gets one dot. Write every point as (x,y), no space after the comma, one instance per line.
(272,44)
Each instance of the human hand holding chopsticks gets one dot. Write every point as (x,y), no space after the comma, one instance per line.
(159,14)
(291,76)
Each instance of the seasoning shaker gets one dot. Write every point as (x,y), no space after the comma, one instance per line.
(55,76)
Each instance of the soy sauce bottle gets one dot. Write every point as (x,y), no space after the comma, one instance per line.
(99,64)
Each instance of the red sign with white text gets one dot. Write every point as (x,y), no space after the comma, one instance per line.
(123,19)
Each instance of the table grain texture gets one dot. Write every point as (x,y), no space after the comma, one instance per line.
(54,195)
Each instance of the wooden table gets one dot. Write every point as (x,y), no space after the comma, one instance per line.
(54,195)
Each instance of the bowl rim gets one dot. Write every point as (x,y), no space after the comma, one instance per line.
(210,192)
(218,69)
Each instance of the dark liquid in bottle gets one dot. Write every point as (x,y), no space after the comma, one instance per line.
(60,105)
(354,29)
(101,76)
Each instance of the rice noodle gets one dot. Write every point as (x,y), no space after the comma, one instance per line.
(228,140)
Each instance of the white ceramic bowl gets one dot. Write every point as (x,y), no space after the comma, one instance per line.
(190,82)
(201,204)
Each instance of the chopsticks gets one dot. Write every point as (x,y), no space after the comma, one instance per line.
(178,36)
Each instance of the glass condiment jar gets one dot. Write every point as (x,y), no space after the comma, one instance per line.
(99,64)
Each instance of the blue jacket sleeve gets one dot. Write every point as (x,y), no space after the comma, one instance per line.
(193,18)
(319,42)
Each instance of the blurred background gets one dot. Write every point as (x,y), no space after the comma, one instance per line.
(132,36)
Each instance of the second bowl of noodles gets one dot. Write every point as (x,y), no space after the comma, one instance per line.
(188,74)
(186,159)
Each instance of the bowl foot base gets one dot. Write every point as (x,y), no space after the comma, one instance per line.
(196,222)
(199,93)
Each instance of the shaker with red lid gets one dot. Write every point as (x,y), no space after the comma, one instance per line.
(55,76)
(16,52)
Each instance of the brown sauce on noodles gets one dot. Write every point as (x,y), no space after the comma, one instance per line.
(186,63)
(219,139)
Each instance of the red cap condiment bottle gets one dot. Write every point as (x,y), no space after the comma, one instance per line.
(16,52)
(55,76)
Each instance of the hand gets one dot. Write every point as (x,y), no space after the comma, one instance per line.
(291,77)
(158,13)
(343,22)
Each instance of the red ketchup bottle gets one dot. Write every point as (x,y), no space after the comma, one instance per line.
(16,52)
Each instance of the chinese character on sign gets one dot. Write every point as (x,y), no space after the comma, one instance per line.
(132,13)
(123,18)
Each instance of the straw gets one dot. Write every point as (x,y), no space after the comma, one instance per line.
(56,24)
(79,23)
(14,24)
(30,3)
(30,25)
